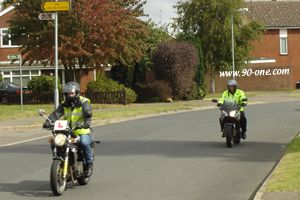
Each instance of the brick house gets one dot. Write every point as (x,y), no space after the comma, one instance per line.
(11,71)
(275,63)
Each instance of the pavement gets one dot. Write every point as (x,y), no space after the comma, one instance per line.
(31,129)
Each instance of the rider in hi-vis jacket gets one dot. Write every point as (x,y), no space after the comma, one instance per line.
(237,95)
(78,111)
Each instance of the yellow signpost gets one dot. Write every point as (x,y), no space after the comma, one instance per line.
(51,6)
(55,6)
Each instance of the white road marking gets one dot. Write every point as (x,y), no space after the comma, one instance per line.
(23,141)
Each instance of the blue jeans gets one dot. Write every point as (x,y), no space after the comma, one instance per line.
(85,141)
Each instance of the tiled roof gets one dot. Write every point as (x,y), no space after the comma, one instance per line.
(275,13)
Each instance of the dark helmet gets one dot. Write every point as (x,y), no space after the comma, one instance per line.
(232,83)
(70,88)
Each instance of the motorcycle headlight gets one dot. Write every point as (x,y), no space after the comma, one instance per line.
(60,140)
(232,113)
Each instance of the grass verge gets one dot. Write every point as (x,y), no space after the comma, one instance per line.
(286,177)
(103,111)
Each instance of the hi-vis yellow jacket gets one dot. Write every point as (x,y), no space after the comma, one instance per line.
(237,97)
(76,117)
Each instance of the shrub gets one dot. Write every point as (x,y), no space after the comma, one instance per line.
(104,84)
(156,91)
(131,96)
(195,92)
(175,62)
(43,84)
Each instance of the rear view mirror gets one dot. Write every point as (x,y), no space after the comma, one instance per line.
(42,112)
(214,100)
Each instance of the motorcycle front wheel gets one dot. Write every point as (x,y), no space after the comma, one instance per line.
(229,136)
(58,183)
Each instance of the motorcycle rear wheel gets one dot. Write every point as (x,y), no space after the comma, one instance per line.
(58,183)
(83,180)
(229,135)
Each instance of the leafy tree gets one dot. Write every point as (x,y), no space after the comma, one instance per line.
(200,71)
(210,20)
(130,75)
(93,33)
(7,3)
(175,62)
(123,74)
(156,36)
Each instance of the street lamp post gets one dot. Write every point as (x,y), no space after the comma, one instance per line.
(56,94)
(232,40)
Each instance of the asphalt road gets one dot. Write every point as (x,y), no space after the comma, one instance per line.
(173,157)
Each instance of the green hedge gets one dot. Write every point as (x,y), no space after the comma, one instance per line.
(43,84)
(104,84)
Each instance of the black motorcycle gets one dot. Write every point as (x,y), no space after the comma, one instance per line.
(230,117)
(68,164)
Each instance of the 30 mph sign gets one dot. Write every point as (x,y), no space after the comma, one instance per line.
(50,6)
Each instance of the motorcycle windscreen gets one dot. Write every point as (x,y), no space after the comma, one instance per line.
(229,105)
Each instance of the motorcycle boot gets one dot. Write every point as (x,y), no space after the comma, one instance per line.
(88,169)
(222,127)
(223,134)
(243,123)
(244,135)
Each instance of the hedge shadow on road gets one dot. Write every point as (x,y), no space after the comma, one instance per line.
(246,151)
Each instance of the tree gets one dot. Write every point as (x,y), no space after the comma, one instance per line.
(130,75)
(200,71)
(210,20)
(175,62)
(156,36)
(93,33)
(7,3)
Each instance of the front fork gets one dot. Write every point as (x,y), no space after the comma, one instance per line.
(66,163)
(64,160)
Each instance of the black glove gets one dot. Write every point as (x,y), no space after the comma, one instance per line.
(85,125)
(243,104)
(46,124)
(219,104)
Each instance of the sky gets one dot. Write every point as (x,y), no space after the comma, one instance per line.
(160,11)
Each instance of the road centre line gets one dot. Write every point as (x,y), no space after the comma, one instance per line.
(24,141)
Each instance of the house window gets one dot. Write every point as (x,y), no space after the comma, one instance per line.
(5,39)
(14,76)
(283,42)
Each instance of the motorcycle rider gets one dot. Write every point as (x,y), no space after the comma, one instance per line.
(78,111)
(237,95)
